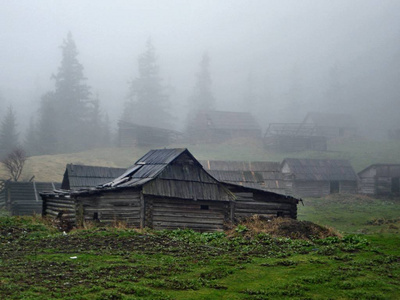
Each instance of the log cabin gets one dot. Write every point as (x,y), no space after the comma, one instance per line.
(264,175)
(167,189)
(130,134)
(331,125)
(380,179)
(208,126)
(318,177)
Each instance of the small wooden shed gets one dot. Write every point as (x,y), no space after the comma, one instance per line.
(166,189)
(264,175)
(318,177)
(22,198)
(130,134)
(380,179)
(218,126)
(81,176)
(293,137)
(332,125)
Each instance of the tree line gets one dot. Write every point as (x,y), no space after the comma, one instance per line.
(70,117)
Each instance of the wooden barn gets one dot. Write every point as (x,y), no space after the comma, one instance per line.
(167,189)
(80,176)
(331,125)
(293,137)
(380,179)
(218,126)
(22,198)
(318,177)
(265,175)
(130,134)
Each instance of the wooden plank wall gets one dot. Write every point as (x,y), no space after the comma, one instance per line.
(383,185)
(348,187)
(246,205)
(179,213)
(54,207)
(110,208)
(367,186)
(310,188)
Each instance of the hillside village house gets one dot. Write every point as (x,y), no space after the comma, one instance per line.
(130,134)
(265,175)
(318,177)
(331,125)
(167,189)
(293,137)
(207,126)
(380,179)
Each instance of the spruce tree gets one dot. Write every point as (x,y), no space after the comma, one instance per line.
(203,98)
(8,133)
(148,103)
(65,112)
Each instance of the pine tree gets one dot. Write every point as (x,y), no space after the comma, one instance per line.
(48,137)
(148,103)
(65,112)
(203,98)
(8,133)
(31,141)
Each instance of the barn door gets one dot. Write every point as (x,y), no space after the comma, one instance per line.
(395,185)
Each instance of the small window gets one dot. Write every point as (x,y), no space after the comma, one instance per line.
(204,207)
(279,214)
(96,216)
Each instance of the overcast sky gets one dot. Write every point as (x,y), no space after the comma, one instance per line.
(292,50)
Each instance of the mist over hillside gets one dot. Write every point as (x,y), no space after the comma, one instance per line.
(275,59)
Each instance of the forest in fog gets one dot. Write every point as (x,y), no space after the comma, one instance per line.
(72,69)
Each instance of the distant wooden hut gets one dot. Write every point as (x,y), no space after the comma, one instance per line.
(130,134)
(293,137)
(218,126)
(22,198)
(318,177)
(166,189)
(331,125)
(380,179)
(80,176)
(265,175)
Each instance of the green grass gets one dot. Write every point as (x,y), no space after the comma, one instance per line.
(353,213)
(37,262)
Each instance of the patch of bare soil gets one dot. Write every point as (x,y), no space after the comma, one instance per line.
(284,227)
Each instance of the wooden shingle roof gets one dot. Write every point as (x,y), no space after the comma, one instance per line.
(320,169)
(264,175)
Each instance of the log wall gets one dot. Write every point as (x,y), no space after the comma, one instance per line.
(248,204)
(56,207)
(108,208)
(180,213)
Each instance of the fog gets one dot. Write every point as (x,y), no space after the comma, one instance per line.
(290,56)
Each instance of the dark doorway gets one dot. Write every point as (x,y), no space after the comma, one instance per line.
(396,185)
(334,187)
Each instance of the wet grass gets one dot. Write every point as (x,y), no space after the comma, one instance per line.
(37,262)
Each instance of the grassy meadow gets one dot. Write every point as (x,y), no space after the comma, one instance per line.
(351,250)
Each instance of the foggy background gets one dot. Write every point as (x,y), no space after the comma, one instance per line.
(276,59)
